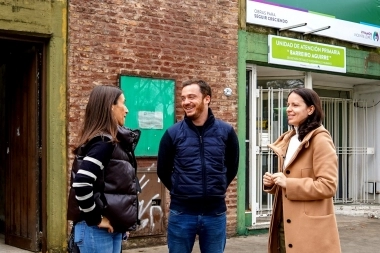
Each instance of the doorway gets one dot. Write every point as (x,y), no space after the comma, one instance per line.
(345,118)
(21,71)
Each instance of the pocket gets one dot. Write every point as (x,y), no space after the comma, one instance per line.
(318,208)
(321,232)
(176,217)
(79,232)
(222,213)
(174,212)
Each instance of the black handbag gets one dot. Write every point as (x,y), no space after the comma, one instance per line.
(72,247)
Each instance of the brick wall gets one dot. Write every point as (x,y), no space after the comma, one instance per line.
(156,38)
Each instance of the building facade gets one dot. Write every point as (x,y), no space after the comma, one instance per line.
(284,44)
(52,53)
(149,48)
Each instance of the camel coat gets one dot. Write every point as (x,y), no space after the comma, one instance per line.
(308,211)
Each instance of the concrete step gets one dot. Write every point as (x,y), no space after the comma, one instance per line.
(365,210)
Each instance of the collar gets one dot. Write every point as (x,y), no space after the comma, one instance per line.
(281,144)
(209,121)
(127,136)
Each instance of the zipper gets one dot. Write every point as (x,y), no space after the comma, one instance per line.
(203,165)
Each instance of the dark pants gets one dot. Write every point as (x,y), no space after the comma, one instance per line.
(281,237)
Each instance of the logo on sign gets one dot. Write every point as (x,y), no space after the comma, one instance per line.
(376,36)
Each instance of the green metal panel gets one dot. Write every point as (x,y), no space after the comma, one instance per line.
(241,178)
(151,109)
(256,43)
(257,47)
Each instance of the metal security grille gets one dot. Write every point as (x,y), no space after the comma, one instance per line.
(350,127)
(270,124)
(347,121)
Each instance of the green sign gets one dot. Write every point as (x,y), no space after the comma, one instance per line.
(150,102)
(304,54)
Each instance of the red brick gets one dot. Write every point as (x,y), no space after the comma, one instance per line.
(157,38)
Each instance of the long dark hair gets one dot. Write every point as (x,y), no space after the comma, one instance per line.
(314,120)
(98,117)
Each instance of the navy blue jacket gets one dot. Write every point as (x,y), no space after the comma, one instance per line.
(197,167)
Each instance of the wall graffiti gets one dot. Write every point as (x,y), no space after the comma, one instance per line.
(151,213)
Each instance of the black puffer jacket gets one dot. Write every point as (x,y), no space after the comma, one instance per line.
(121,185)
(116,190)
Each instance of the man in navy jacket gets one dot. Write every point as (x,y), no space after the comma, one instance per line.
(197,160)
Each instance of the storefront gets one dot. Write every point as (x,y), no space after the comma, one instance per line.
(288,44)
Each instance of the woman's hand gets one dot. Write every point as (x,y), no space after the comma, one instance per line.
(267,180)
(279,179)
(105,223)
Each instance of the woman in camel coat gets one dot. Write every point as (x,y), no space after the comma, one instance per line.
(303,219)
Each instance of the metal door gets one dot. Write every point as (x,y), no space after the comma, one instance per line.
(266,121)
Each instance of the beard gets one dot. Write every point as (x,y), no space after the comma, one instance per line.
(198,111)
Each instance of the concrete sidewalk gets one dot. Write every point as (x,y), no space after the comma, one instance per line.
(358,234)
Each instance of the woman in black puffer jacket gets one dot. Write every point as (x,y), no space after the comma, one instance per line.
(105,186)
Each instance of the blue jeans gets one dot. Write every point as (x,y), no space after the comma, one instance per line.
(91,239)
(183,228)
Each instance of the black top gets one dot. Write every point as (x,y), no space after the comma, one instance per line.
(98,154)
